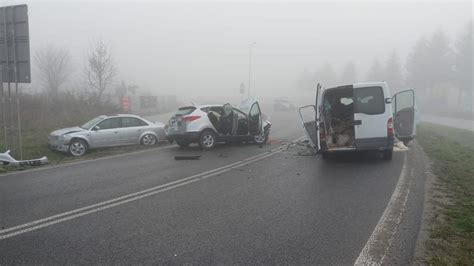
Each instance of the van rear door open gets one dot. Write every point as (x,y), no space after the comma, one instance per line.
(309,116)
(370,116)
(404,115)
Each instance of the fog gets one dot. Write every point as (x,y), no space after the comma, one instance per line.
(201,49)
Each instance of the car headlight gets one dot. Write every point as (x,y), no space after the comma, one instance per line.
(62,138)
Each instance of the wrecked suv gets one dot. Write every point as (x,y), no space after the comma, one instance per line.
(358,117)
(211,124)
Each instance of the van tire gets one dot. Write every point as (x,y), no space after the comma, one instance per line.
(325,155)
(388,154)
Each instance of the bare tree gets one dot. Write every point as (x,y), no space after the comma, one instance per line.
(463,67)
(100,71)
(53,67)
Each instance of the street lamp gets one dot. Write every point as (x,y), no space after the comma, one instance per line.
(250,64)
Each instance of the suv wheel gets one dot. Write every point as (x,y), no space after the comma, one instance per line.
(78,147)
(207,140)
(261,139)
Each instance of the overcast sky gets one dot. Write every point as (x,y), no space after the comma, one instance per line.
(203,47)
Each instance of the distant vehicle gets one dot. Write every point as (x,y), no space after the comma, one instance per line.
(210,124)
(282,104)
(360,117)
(107,131)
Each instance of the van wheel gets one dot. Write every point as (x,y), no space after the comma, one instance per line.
(388,154)
(207,140)
(325,155)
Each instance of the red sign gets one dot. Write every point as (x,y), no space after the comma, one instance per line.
(125,103)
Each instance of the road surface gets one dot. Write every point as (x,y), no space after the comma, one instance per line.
(237,204)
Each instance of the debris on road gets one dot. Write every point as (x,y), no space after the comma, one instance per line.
(188,157)
(7,159)
(399,146)
(305,148)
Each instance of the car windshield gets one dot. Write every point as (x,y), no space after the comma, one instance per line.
(92,122)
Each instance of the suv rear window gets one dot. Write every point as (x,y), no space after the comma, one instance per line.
(185,110)
(369,100)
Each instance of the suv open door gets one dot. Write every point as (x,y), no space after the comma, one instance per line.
(255,119)
(404,108)
(310,121)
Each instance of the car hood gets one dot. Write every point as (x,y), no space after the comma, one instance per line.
(67,131)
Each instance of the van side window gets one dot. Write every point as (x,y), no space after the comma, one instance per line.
(369,100)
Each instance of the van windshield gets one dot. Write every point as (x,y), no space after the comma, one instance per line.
(369,100)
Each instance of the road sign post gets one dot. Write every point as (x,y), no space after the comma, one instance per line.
(14,67)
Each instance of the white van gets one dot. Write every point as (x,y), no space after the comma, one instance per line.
(356,117)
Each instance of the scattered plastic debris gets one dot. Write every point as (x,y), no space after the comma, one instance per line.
(399,146)
(7,159)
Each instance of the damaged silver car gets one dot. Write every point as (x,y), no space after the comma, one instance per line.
(210,124)
(107,131)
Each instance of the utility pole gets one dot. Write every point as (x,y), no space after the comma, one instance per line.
(250,65)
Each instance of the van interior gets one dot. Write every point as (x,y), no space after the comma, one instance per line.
(338,117)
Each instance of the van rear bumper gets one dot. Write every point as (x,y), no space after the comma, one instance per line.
(374,143)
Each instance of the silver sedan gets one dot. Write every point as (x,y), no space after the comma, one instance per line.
(107,131)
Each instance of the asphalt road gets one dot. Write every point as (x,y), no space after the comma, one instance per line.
(236,204)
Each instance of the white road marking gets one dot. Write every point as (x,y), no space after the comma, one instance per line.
(80,161)
(376,248)
(35,225)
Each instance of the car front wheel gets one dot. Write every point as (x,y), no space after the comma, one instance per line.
(261,138)
(77,147)
(148,140)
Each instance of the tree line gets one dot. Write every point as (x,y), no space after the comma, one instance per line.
(55,72)
(433,62)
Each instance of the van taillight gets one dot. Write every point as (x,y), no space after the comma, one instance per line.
(390,127)
(322,134)
(191,118)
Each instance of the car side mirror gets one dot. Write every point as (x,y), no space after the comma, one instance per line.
(96,128)
(388,100)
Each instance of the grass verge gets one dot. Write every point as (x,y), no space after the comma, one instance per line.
(452,229)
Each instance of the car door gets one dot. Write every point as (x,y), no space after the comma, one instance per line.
(106,133)
(404,107)
(131,130)
(255,119)
(370,112)
(309,116)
